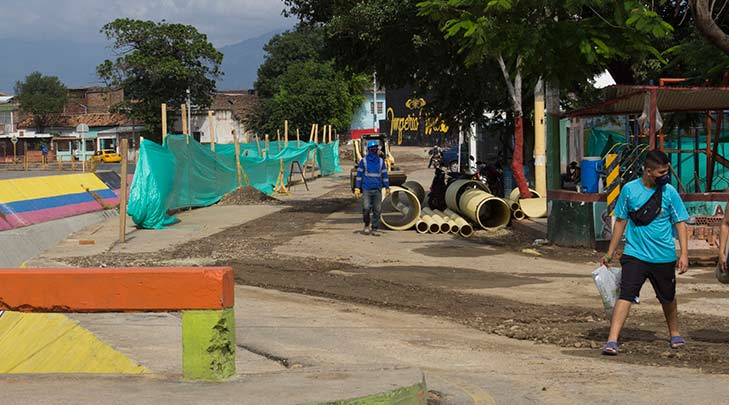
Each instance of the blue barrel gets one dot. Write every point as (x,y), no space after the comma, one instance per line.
(590,174)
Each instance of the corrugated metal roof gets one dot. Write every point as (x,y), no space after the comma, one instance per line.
(620,99)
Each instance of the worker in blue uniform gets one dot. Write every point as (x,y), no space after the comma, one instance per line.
(371,178)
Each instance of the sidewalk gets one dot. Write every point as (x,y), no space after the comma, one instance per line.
(154,341)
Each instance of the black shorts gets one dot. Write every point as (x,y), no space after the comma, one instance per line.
(635,271)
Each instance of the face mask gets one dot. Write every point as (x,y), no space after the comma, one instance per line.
(663,180)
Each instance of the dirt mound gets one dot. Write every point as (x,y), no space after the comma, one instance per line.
(247,196)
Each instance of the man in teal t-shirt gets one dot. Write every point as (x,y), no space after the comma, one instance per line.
(650,251)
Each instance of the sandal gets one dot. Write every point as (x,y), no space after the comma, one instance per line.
(610,349)
(677,342)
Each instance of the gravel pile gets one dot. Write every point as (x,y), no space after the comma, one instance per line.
(247,196)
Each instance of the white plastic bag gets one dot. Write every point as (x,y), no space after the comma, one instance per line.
(607,281)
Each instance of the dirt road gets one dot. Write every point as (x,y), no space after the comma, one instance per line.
(314,248)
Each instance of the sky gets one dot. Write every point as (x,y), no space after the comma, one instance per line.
(224,21)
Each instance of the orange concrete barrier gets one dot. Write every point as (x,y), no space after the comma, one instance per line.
(116,289)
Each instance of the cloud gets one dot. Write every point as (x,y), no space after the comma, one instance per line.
(224,21)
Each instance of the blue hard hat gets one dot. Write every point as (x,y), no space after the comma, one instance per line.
(373,144)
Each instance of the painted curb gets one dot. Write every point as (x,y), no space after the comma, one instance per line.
(416,394)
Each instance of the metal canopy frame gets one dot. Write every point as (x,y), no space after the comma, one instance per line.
(623,100)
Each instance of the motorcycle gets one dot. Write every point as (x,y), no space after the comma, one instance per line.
(436,197)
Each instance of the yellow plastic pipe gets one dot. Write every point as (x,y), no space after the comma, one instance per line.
(457,188)
(454,228)
(464,228)
(534,207)
(487,211)
(400,209)
(514,195)
(442,223)
(416,188)
(519,215)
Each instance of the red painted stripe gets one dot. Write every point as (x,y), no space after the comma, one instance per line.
(35,217)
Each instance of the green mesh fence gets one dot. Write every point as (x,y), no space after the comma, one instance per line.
(690,169)
(179,174)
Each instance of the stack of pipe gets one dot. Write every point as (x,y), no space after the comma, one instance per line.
(443,224)
(464,228)
(469,198)
(534,207)
(426,224)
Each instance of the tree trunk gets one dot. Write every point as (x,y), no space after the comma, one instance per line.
(707,26)
(517,159)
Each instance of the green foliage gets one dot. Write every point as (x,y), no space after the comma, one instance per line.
(299,84)
(388,36)
(156,63)
(283,50)
(310,92)
(41,96)
(560,40)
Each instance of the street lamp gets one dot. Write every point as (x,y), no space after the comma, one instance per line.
(83,129)
(189,114)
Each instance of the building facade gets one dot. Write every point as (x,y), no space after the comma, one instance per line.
(366,119)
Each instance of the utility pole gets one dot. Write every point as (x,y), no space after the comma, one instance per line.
(374,101)
(540,158)
(189,114)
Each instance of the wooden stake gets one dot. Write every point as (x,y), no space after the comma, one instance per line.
(238,167)
(123,192)
(164,121)
(330,133)
(316,133)
(266,142)
(280,186)
(258,145)
(183,111)
(212,131)
(311,133)
(286,133)
(298,140)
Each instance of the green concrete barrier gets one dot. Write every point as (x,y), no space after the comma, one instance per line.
(208,344)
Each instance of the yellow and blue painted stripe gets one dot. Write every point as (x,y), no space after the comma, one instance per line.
(34,200)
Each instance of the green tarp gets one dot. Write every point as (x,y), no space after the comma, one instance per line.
(179,174)
(601,141)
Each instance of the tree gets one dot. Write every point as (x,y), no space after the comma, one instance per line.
(388,36)
(157,63)
(41,96)
(283,50)
(703,12)
(554,39)
(310,92)
(298,83)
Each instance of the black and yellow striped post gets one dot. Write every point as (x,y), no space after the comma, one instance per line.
(612,167)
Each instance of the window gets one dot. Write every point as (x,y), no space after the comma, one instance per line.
(380,106)
(63,146)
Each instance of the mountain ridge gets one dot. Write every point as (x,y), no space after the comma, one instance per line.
(75,62)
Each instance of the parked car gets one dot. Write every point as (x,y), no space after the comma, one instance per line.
(449,159)
(107,156)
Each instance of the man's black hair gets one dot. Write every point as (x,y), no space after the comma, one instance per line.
(656,158)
